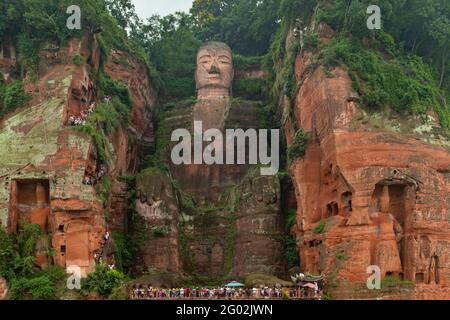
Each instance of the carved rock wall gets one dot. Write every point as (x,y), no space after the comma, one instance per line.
(383,196)
(157,205)
(132,143)
(259,226)
(217,241)
(38,147)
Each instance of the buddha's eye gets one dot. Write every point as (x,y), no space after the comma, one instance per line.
(205,60)
(224,60)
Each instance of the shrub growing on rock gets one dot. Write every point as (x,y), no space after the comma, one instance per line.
(320,227)
(102,281)
(11,97)
(298,147)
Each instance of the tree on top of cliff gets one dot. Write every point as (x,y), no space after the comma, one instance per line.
(403,67)
(9,16)
(124,12)
(171,45)
(33,24)
(247,26)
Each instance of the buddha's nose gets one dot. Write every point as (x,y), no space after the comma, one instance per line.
(214,68)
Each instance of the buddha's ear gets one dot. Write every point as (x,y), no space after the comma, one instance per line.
(195,76)
(231,84)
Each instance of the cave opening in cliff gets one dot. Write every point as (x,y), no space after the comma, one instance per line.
(433,270)
(347,201)
(394,201)
(30,201)
(420,277)
(397,206)
(332,209)
(397,200)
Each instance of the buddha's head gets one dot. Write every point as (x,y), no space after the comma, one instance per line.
(214,73)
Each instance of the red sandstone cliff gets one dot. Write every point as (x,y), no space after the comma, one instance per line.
(383,196)
(47,160)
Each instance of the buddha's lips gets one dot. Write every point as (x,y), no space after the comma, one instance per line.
(214,76)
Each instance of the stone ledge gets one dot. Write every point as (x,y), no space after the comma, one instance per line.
(70,205)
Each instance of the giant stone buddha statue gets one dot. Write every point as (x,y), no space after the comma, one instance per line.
(214,74)
(258,219)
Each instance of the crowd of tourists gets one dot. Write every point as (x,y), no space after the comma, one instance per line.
(93,179)
(82,117)
(141,292)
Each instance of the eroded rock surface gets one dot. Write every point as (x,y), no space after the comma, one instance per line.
(221,233)
(44,161)
(157,205)
(383,196)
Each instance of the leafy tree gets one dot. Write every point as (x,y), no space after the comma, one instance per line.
(12,96)
(439,30)
(350,16)
(10,15)
(17,259)
(113,88)
(207,11)
(39,288)
(246,25)
(124,252)
(172,46)
(6,255)
(249,25)
(102,281)
(290,10)
(125,13)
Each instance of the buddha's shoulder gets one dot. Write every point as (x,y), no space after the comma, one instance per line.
(176,113)
(244,113)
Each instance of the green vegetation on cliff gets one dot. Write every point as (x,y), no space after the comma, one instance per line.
(112,88)
(289,240)
(102,281)
(33,25)
(172,46)
(298,147)
(11,96)
(108,116)
(402,82)
(320,227)
(17,265)
(402,67)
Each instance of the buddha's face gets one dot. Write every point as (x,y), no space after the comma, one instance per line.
(214,67)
